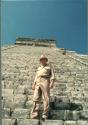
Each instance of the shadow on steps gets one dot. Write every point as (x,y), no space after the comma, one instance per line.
(66,106)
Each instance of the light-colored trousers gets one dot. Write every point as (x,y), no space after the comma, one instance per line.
(41,90)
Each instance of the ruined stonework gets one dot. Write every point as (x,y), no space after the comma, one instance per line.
(69,98)
(36,42)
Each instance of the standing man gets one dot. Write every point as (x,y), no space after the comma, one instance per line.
(43,82)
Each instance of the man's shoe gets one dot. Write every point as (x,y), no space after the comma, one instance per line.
(34,116)
(44,117)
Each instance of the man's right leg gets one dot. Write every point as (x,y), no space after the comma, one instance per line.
(36,102)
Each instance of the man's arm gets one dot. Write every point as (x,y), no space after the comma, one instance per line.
(34,83)
(52,78)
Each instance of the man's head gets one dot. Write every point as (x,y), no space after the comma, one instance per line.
(43,60)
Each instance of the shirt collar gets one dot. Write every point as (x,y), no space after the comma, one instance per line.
(43,66)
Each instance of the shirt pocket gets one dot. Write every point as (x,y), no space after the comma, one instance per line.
(47,69)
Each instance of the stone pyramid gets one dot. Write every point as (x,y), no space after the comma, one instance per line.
(68,98)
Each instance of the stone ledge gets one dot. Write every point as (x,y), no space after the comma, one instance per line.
(40,122)
(27,122)
(8,47)
(52,122)
(8,121)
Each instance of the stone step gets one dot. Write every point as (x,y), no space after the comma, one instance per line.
(53,114)
(24,89)
(21,113)
(14,101)
(75,94)
(56,102)
(40,122)
(21,89)
(7,92)
(29,73)
(21,102)
(61,122)
(60,87)
(68,115)
(15,113)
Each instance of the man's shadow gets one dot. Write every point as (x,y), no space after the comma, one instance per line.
(60,104)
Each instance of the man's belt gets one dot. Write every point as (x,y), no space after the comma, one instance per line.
(45,76)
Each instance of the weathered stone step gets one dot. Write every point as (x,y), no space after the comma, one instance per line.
(19,89)
(14,101)
(32,71)
(39,122)
(68,115)
(53,114)
(21,113)
(16,113)
(11,100)
(24,89)
(27,104)
(78,122)
(7,92)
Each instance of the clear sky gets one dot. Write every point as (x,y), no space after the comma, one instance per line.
(63,20)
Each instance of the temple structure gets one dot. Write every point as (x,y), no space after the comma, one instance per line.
(68,98)
(36,42)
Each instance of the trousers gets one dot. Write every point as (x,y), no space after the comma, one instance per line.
(41,91)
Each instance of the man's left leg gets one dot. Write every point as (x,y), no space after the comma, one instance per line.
(46,96)
(36,102)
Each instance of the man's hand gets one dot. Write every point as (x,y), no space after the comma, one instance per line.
(51,84)
(33,86)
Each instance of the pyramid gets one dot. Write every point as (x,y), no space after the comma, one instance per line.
(68,98)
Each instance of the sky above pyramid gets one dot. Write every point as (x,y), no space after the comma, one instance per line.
(63,20)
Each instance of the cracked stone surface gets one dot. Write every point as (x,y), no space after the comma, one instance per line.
(68,98)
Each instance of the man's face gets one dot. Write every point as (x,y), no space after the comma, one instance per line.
(43,62)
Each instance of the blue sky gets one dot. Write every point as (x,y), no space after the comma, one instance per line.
(63,20)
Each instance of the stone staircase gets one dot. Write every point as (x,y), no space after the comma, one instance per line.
(68,98)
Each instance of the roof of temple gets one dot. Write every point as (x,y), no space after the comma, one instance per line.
(35,39)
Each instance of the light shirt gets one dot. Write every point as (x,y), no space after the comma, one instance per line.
(45,71)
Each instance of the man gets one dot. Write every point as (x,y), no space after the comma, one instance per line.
(43,82)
